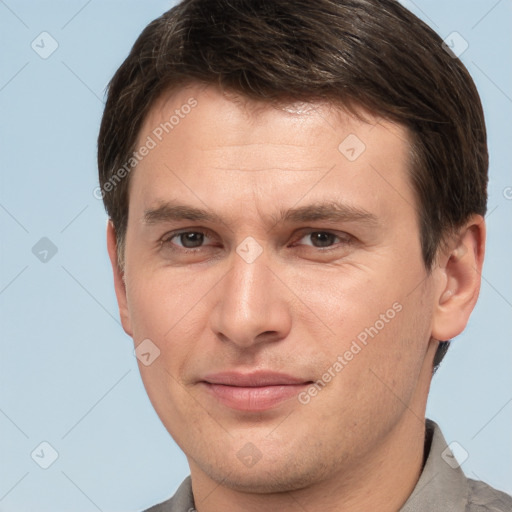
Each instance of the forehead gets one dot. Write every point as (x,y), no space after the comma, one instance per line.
(223,147)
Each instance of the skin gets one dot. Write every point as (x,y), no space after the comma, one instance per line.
(357,444)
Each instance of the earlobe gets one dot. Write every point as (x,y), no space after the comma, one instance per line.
(119,283)
(461,268)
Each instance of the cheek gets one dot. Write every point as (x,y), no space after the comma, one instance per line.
(170,310)
(381,331)
(159,303)
(395,356)
(343,302)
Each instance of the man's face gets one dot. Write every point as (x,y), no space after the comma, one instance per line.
(308,264)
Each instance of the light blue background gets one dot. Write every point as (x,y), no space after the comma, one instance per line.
(67,371)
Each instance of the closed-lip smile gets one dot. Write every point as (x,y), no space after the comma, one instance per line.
(255,391)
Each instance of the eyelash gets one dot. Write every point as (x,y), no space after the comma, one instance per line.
(166,240)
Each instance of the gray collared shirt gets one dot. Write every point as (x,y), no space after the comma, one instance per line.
(442,486)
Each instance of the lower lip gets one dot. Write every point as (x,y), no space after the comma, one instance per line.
(253,398)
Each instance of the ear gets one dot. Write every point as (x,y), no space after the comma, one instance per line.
(460,274)
(119,284)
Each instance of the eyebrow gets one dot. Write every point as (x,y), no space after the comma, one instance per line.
(329,211)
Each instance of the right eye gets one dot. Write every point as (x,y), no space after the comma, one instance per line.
(189,240)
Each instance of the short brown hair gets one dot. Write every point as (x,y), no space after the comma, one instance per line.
(373,54)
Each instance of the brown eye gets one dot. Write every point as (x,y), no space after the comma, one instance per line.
(321,239)
(191,239)
(186,239)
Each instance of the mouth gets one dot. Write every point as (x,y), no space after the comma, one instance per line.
(253,392)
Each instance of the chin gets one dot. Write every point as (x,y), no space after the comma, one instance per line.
(263,478)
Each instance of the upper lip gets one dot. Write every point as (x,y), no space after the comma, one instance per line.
(253,379)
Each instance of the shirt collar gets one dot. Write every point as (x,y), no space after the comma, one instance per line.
(442,484)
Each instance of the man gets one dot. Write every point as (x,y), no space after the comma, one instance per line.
(296,192)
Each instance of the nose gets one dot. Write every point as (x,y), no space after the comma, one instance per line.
(251,305)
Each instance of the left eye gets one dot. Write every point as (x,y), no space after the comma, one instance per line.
(322,238)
